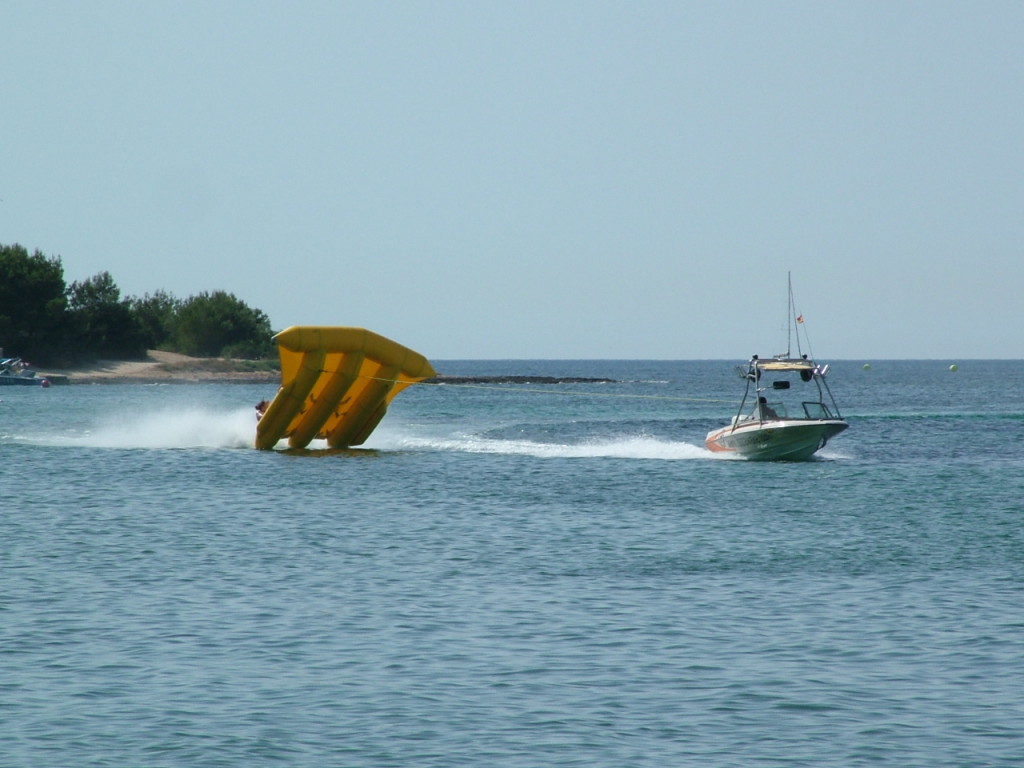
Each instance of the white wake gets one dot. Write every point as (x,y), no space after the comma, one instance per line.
(647,448)
(178,428)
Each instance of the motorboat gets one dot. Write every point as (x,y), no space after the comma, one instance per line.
(776,421)
(787,412)
(14,371)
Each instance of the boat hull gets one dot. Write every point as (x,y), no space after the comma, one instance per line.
(788,440)
(13,381)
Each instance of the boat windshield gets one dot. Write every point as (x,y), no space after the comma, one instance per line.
(817,410)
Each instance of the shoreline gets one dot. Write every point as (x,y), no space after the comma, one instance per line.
(159,367)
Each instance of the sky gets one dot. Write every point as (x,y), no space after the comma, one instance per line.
(539,178)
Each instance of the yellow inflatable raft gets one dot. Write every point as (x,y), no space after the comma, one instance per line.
(336,383)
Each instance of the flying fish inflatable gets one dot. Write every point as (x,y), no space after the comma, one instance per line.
(336,384)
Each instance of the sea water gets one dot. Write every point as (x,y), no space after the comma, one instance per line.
(516,575)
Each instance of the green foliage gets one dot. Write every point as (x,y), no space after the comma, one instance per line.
(157,315)
(32,303)
(102,323)
(96,291)
(48,322)
(219,324)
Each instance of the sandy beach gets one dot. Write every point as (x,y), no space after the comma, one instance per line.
(159,367)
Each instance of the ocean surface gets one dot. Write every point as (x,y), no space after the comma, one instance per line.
(516,576)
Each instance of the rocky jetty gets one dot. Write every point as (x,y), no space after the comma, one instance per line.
(442,379)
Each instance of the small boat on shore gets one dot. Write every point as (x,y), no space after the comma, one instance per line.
(787,412)
(15,371)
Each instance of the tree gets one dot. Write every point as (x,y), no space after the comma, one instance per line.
(157,315)
(219,324)
(43,319)
(32,303)
(104,325)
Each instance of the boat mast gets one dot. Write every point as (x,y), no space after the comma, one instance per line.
(789,316)
(792,321)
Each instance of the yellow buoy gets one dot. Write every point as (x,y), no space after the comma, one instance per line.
(954,367)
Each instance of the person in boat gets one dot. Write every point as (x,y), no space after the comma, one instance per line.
(261,408)
(767,413)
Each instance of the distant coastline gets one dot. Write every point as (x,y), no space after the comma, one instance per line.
(442,379)
(162,368)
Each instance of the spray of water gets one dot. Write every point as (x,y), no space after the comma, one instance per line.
(205,428)
(617,448)
(189,428)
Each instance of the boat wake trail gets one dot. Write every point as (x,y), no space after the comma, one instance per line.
(190,428)
(613,448)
